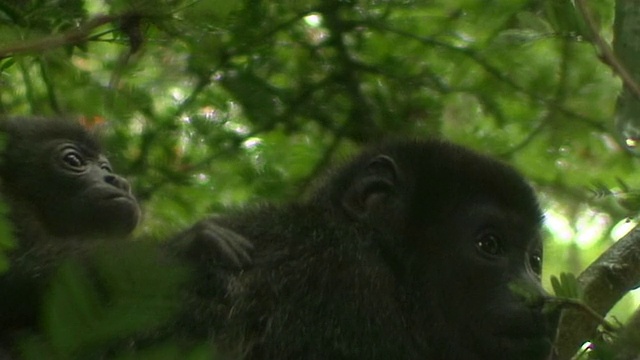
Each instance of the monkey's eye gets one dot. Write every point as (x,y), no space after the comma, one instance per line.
(72,159)
(535,261)
(490,244)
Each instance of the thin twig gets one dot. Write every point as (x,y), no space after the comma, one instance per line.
(581,306)
(74,36)
(605,50)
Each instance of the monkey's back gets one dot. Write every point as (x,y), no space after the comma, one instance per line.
(317,289)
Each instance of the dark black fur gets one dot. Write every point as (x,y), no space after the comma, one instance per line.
(62,194)
(407,252)
(64,201)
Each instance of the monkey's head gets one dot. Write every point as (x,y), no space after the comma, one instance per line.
(461,231)
(55,170)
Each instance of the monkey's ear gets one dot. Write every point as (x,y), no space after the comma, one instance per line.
(371,186)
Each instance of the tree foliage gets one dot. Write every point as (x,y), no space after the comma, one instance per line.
(210,104)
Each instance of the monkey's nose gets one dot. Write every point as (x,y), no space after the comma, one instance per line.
(118,182)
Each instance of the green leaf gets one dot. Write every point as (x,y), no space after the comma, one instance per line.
(564,17)
(124,289)
(73,309)
(567,286)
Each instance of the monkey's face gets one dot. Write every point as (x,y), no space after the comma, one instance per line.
(487,264)
(77,193)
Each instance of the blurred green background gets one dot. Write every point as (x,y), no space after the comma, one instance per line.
(206,105)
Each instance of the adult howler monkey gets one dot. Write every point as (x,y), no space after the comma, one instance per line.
(407,252)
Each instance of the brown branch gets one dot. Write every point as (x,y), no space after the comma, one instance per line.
(71,37)
(605,282)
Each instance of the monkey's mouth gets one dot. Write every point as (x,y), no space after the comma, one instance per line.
(118,197)
(525,344)
(525,336)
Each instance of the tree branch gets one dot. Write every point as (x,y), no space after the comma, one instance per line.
(605,282)
(71,37)
(605,51)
